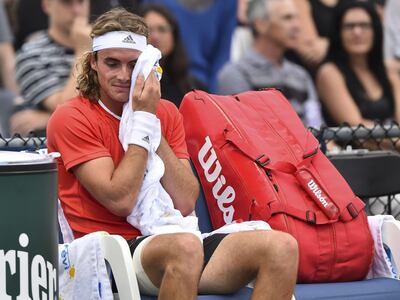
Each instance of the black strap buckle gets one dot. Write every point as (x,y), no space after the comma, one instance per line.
(262,160)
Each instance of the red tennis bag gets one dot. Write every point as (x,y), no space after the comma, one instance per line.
(257,161)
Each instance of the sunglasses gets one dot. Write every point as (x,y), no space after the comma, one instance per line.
(70,2)
(163,29)
(350,26)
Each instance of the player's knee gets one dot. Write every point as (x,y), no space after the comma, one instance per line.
(284,249)
(273,245)
(289,245)
(187,258)
(187,247)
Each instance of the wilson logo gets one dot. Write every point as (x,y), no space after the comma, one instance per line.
(212,171)
(317,192)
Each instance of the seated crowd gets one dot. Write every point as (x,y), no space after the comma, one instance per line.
(305,48)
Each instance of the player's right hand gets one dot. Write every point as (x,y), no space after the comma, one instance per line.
(146,94)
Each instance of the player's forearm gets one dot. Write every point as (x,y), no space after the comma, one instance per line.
(126,180)
(115,187)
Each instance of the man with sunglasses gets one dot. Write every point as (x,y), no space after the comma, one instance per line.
(45,65)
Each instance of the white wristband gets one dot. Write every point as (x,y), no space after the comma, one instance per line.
(145,131)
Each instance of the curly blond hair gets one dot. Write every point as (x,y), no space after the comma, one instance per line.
(117,19)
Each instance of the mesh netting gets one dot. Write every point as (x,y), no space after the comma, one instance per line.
(19,143)
(379,137)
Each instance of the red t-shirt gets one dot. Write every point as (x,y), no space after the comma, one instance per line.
(81,131)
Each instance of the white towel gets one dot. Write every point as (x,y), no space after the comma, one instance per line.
(82,270)
(154,212)
(381,265)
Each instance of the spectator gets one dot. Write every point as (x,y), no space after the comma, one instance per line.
(206,28)
(29,19)
(99,183)
(164,34)
(275,26)
(315,21)
(8,85)
(45,70)
(353,84)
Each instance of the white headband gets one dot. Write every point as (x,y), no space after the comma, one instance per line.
(119,39)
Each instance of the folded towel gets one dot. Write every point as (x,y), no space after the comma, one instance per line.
(82,270)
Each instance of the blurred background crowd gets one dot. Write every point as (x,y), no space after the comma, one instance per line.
(335,60)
